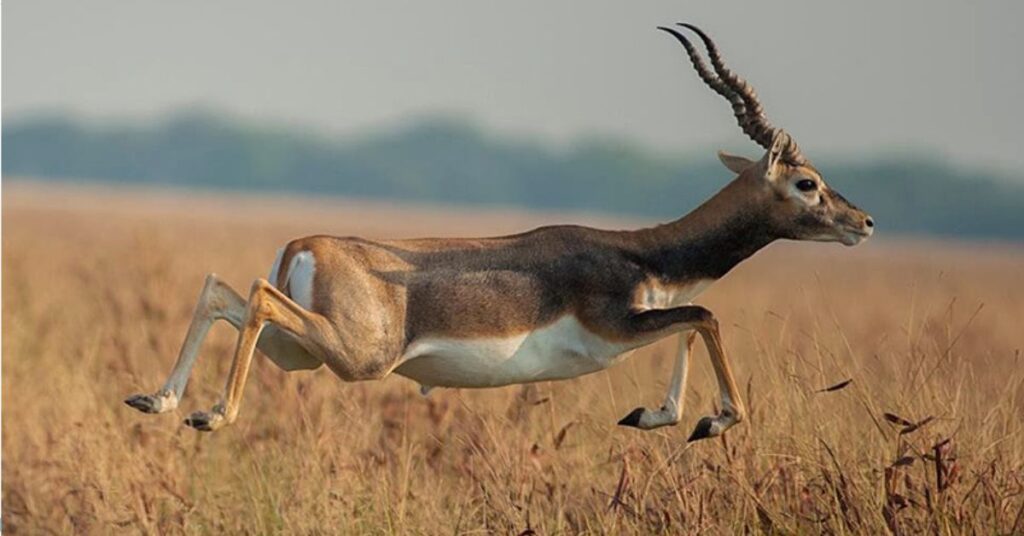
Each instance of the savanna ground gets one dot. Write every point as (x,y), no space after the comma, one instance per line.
(98,289)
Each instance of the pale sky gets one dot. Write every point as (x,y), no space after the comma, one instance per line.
(937,76)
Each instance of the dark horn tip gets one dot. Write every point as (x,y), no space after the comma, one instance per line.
(682,38)
(700,33)
(675,34)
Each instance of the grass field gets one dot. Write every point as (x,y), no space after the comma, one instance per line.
(98,289)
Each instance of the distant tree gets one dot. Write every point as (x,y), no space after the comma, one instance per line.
(449,160)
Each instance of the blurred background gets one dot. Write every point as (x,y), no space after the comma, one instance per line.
(523,104)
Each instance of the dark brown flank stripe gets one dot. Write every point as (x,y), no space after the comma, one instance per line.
(492,287)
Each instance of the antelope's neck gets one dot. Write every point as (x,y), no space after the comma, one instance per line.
(708,242)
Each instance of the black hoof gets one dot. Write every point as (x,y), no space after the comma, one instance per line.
(703,429)
(199,421)
(633,419)
(143,403)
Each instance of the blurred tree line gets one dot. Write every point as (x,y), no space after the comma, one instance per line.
(452,161)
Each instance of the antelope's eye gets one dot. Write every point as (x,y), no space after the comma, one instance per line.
(806,185)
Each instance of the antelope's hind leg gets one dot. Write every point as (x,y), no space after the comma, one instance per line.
(269,307)
(217,301)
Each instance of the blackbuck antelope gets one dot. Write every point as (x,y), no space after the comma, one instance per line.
(549,304)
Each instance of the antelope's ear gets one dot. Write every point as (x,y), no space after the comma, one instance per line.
(736,164)
(773,158)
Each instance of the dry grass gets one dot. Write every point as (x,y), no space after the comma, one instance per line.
(98,291)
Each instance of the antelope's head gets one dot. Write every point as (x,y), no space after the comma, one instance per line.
(791,191)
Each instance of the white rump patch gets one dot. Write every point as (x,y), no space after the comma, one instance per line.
(276,267)
(300,278)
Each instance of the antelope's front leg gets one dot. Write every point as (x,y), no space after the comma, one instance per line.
(672,409)
(732,406)
(658,323)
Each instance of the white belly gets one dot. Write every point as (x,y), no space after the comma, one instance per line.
(564,349)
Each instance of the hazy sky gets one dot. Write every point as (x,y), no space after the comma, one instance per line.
(844,77)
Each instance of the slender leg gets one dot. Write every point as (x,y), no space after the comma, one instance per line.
(266,305)
(216,301)
(672,409)
(732,405)
(658,323)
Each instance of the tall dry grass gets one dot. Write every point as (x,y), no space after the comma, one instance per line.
(98,290)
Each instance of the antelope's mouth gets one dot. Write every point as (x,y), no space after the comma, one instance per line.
(852,237)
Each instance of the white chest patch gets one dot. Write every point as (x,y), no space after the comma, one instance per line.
(564,349)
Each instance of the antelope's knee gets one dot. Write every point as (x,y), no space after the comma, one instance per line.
(704,318)
(213,292)
(259,286)
(260,307)
(736,413)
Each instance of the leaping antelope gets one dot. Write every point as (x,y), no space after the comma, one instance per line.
(549,304)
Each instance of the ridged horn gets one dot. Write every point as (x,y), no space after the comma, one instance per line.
(733,87)
(739,107)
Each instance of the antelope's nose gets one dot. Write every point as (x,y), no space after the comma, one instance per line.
(868,227)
